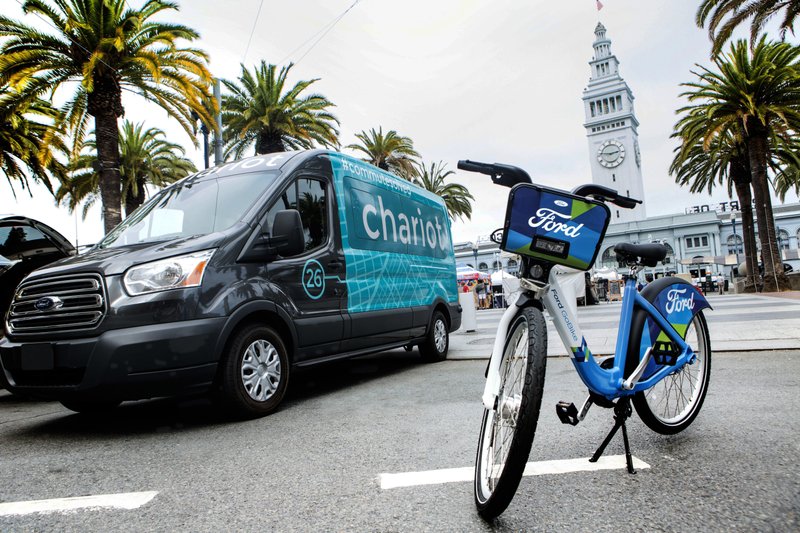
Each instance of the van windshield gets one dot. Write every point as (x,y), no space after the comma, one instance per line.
(193,207)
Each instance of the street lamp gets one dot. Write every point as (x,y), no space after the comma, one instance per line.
(204,129)
(475,253)
(735,238)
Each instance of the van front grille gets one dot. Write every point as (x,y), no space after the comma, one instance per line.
(52,305)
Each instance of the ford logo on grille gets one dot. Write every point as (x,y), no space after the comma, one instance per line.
(48,302)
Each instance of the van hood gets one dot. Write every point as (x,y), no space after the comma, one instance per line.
(115,261)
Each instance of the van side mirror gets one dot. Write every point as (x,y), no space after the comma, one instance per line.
(287,233)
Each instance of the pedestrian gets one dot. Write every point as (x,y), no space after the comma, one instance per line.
(480,290)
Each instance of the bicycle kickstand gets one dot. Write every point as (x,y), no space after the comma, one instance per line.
(622,411)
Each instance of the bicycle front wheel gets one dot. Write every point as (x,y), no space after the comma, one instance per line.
(507,431)
(672,404)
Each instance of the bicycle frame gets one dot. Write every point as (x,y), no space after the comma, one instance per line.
(604,382)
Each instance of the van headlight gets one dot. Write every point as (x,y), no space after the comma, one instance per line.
(174,273)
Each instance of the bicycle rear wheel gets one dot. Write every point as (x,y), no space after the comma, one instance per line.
(507,431)
(671,405)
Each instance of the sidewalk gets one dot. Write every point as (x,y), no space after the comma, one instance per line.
(737,323)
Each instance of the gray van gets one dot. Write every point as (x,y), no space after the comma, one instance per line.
(232,277)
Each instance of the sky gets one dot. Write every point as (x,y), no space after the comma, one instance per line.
(487,80)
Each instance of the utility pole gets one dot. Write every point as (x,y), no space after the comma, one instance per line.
(218,132)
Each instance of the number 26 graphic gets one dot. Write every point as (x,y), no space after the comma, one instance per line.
(313,279)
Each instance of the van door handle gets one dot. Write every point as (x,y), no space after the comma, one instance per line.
(335,264)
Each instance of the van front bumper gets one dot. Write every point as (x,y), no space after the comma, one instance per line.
(124,364)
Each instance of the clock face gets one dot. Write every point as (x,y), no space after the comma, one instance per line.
(611,154)
(637,153)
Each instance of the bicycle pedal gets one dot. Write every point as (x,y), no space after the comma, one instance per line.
(665,353)
(567,413)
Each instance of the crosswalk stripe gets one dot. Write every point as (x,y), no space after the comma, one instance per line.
(539,468)
(127,500)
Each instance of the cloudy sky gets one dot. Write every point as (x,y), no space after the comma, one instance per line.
(489,80)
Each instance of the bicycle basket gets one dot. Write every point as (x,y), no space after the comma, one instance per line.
(554,226)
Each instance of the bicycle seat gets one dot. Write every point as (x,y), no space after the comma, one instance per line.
(645,254)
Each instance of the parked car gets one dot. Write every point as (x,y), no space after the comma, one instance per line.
(25,245)
(232,277)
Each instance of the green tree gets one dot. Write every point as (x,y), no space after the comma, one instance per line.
(391,152)
(261,111)
(724,16)
(106,47)
(146,158)
(757,94)
(703,162)
(30,137)
(457,198)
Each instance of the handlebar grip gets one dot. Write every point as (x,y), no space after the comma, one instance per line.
(625,202)
(475,166)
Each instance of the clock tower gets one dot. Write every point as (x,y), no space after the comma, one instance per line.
(611,128)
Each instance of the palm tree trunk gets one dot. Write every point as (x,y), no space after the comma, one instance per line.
(741,178)
(105,105)
(107,134)
(269,143)
(774,278)
(133,201)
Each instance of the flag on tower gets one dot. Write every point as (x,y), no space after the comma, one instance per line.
(599,5)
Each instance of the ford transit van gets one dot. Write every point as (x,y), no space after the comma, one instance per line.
(232,277)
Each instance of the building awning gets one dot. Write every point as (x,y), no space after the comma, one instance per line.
(727,260)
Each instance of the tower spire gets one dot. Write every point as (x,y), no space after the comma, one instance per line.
(611,128)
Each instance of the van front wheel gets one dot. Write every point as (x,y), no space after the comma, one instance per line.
(255,371)
(434,347)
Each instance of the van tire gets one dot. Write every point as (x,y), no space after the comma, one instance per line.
(254,372)
(434,348)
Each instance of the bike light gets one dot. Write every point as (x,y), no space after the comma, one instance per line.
(537,271)
(174,273)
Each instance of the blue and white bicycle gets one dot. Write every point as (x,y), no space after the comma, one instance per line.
(662,358)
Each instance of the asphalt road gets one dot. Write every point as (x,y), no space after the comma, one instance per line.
(315,464)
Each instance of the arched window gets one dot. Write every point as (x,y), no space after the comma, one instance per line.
(735,244)
(483,267)
(670,258)
(512,265)
(497,265)
(609,258)
(783,239)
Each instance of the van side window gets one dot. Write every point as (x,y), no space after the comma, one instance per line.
(313,208)
(313,211)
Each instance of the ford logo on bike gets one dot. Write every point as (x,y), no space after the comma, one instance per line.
(47,303)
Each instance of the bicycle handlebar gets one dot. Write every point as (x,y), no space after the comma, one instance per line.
(508,176)
(505,175)
(605,194)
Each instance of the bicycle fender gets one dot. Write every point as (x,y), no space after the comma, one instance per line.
(678,301)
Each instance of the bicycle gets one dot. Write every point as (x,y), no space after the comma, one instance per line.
(662,358)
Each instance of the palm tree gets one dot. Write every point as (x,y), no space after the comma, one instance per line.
(757,94)
(146,158)
(738,11)
(260,111)
(106,47)
(702,162)
(391,152)
(30,135)
(457,199)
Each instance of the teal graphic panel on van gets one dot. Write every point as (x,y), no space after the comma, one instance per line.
(554,225)
(396,239)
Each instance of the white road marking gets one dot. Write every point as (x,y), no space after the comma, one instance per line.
(539,468)
(128,500)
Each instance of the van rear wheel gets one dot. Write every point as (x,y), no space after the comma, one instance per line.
(437,341)
(255,372)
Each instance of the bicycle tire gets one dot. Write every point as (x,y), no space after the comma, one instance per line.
(672,404)
(515,416)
